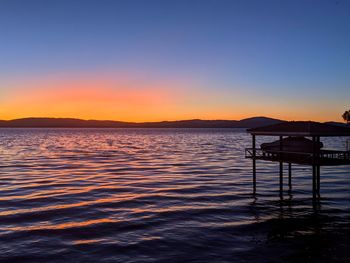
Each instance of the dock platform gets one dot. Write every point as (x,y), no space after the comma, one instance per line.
(293,147)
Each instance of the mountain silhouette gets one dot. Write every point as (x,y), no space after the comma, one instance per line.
(79,123)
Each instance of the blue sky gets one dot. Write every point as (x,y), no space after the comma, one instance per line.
(289,54)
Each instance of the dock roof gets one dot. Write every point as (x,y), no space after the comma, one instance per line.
(301,128)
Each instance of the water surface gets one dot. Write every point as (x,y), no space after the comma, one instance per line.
(161,195)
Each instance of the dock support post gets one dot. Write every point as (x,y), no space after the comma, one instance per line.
(290,176)
(314,185)
(281,166)
(318,169)
(318,180)
(254,165)
(314,168)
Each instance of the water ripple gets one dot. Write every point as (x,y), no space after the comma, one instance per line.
(177,195)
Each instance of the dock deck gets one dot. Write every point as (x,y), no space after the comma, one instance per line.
(298,150)
(322,158)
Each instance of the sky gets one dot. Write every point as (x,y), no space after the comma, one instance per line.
(152,60)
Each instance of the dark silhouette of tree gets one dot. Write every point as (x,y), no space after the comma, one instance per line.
(346,116)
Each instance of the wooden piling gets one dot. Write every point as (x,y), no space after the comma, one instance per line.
(281,165)
(318,172)
(290,176)
(254,164)
(318,181)
(314,168)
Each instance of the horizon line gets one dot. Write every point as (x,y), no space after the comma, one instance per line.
(192,119)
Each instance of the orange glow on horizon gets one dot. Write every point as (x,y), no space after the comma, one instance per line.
(89,99)
(136,100)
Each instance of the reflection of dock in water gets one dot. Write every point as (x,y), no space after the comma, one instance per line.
(294,147)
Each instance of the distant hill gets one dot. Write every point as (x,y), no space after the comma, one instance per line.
(342,124)
(258,122)
(78,123)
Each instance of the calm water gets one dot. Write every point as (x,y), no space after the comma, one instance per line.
(162,195)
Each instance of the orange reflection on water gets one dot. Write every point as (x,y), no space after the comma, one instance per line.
(66,206)
(87,241)
(63,225)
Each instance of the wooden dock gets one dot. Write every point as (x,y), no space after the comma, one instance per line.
(314,157)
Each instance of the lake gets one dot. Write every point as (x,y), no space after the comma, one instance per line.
(162,195)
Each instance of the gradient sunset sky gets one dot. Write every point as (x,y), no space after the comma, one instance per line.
(151,60)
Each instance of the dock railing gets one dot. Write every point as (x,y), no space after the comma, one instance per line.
(299,157)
